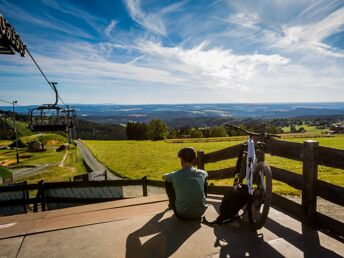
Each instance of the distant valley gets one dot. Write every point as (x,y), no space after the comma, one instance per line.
(198,114)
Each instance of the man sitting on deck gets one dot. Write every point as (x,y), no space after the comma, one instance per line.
(186,188)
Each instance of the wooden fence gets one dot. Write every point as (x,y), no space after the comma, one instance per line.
(14,199)
(311,155)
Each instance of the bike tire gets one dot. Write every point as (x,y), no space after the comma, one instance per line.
(265,201)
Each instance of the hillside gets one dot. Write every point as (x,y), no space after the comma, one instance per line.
(135,159)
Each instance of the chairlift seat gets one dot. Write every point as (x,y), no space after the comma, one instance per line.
(51,118)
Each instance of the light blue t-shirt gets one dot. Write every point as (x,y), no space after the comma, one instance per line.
(188,184)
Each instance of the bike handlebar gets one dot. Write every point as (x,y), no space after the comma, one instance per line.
(266,135)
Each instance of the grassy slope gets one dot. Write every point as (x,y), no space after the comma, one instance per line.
(72,166)
(53,172)
(134,159)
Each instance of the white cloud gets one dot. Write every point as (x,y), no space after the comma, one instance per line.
(310,37)
(110,28)
(216,67)
(244,19)
(48,22)
(153,22)
(150,21)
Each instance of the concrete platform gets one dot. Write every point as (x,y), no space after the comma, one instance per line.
(143,227)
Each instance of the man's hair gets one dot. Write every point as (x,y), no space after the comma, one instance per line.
(187,154)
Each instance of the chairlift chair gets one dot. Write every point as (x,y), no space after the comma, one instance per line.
(51,117)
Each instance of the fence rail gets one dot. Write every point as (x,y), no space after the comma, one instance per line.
(311,155)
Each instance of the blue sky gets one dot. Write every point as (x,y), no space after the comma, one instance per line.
(144,52)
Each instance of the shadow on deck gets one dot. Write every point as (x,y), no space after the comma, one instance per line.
(143,227)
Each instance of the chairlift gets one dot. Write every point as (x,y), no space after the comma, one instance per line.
(51,117)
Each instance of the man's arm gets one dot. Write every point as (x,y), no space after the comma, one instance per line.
(206,187)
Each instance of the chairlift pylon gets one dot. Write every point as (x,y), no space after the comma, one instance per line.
(51,117)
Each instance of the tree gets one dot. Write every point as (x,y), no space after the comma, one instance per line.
(217,131)
(157,130)
(136,131)
(196,134)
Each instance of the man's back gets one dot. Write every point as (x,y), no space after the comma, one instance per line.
(188,184)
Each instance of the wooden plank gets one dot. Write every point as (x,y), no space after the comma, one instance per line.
(78,200)
(92,184)
(19,187)
(330,224)
(156,183)
(218,189)
(227,153)
(288,177)
(221,173)
(144,186)
(330,192)
(309,180)
(284,149)
(331,157)
(15,202)
(200,159)
(292,208)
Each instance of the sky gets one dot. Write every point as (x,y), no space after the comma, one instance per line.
(191,51)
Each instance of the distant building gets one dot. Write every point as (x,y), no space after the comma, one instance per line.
(337,129)
(34,145)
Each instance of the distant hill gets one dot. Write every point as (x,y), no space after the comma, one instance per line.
(193,115)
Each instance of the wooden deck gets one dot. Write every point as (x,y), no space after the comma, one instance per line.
(143,227)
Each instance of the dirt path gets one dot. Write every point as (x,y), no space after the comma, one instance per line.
(24,172)
(61,165)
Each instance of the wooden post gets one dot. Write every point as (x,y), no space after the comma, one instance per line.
(144,186)
(200,159)
(310,177)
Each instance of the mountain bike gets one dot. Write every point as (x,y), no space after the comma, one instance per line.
(256,173)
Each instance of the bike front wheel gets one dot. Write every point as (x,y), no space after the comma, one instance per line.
(258,207)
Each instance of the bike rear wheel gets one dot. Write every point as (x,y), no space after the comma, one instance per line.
(259,206)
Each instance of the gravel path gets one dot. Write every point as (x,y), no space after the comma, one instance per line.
(93,163)
(24,172)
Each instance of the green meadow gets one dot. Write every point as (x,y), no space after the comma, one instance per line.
(135,159)
(72,165)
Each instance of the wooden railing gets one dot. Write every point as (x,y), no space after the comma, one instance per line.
(15,199)
(311,155)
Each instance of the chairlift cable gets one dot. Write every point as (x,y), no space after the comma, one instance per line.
(45,77)
(11,102)
(6,101)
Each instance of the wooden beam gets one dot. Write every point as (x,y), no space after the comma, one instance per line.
(331,157)
(289,150)
(220,190)
(310,177)
(227,153)
(330,224)
(221,173)
(156,183)
(78,200)
(286,176)
(200,159)
(288,206)
(92,184)
(330,192)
